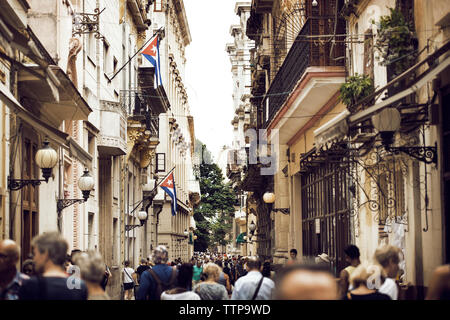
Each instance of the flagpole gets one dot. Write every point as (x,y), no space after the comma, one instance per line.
(145,198)
(156,32)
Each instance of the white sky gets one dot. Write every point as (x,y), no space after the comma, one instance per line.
(208,71)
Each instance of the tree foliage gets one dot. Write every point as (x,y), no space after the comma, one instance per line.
(215,211)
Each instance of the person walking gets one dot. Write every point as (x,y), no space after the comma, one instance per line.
(92,271)
(128,280)
(159,278)
(197,272)
(184,285)
(227,271)
(293,257)
(141,268)
(10,278)
(224,279)
(52,282)
(352,258)
(209,289)
(389,258)
(28,268)
(359,280)
(253,286)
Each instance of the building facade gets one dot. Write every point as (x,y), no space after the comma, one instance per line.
(239,53)
(341,176)
(80,83)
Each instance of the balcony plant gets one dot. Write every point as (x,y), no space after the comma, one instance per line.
(356,88)
(395,42)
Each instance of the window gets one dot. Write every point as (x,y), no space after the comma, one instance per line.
(105,57)
(30,194)
(115,249)
(160,162)
(368,54)
(90,47)
(91,231)
(115,62)
(159,5)
(91,144)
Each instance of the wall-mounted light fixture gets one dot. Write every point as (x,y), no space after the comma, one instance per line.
(86,184)
(387,122)
(46,158)
(269,198)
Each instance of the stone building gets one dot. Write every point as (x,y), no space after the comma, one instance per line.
(346,171)
(71,73)
(239,53)
(176,148)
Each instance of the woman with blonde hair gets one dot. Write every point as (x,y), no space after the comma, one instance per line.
(209,289)
(366,279)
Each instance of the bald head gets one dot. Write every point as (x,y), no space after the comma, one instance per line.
(304,284)
(9,254)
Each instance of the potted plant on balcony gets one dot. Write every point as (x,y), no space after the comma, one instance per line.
(396,42)
(355,89)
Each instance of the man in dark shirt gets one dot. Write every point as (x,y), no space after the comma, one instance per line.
(10,278)
(148,287)
(52,282)
(142,267)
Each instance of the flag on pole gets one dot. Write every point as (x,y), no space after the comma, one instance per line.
(151,53)
(168,185)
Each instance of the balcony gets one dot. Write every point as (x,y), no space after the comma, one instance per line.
(262,6)
(302,56)
(139,112)
(113,124)
(137,9)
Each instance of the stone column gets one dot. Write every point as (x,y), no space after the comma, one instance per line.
(281,190)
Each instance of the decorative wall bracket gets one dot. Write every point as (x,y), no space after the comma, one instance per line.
(130,227)
(17,184)
(282,210)
(64,203)
(85,23)
(424,154)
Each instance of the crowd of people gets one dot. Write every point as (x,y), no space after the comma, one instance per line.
(52,274)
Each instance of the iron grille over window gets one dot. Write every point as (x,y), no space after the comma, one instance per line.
(326,208)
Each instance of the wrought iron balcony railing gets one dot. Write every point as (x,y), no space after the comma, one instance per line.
(137,108)
(304,53)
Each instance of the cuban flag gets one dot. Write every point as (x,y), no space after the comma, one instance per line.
(151,53)
(168,185)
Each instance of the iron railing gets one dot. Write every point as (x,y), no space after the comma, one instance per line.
(305,52)
(137,108)
(326,209)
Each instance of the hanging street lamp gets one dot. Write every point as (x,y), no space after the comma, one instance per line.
(269,198)
(46,159)
(387,123)
(86,185)
(142,216)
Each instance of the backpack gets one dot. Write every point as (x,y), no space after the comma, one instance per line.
(162,286)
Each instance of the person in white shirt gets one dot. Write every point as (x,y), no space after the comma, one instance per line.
(253,286)
(128,281)
(389,258)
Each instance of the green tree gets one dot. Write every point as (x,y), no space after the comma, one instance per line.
(215,211)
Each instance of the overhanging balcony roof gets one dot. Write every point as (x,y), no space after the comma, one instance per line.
(139,15)
(262,5)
